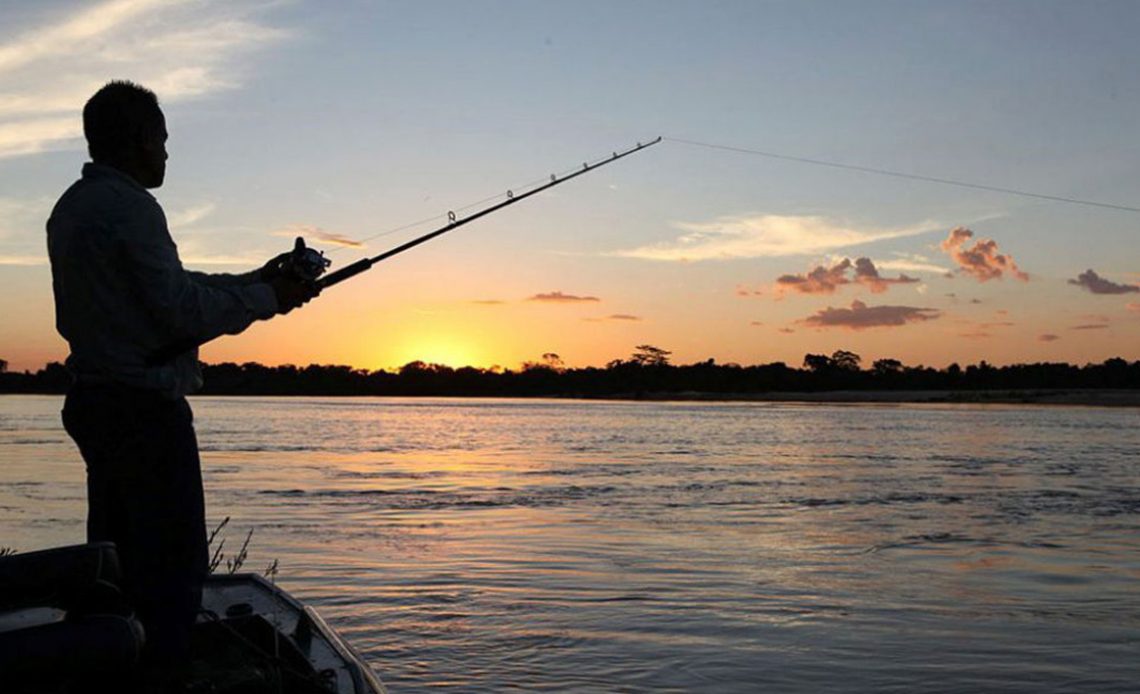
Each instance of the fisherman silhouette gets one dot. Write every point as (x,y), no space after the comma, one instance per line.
(121,295)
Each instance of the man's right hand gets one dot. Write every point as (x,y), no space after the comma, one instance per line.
(292,293)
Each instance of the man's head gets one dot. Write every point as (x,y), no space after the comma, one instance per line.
(125,128)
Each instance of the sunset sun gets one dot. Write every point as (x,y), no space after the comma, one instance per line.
(448,352)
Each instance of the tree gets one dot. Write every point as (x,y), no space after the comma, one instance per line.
(648,355)
(886,367)
(817,362)
(553,361)
(3,366)
(413,367)
(845,361)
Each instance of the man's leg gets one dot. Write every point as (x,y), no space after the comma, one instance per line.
(145,484)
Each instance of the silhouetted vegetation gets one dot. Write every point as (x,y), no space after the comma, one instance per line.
(646,372)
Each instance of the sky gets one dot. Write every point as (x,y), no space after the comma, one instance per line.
(344,121)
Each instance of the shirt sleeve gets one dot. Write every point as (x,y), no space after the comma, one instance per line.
(182,306)
(225,279)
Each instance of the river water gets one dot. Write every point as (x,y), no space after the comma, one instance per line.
(548,545)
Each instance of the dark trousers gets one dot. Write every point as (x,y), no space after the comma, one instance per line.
(144,493)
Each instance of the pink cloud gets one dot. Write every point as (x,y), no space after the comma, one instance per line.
(981,260)
(1048,337)
(1099,285)
(614,317)
(310,232)
(1135,308)
(867,274)
(819,281)
(560,298)
(861,316)
(825,280)
(744,291)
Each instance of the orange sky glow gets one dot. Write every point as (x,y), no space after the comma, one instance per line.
(327,122)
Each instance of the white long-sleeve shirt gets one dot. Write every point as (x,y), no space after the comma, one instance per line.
(122,295)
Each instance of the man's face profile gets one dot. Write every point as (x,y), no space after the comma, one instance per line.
(152,154)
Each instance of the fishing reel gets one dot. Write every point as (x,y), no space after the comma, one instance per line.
(303,263)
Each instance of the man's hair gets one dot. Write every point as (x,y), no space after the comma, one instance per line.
(118,116)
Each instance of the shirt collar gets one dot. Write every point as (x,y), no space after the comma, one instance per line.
(93,171)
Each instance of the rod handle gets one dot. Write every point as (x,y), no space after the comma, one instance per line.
(344,273)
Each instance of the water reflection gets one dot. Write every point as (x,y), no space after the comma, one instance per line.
(489,545)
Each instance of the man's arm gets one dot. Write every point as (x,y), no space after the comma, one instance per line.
(185,308)
(266,273)
(225,279)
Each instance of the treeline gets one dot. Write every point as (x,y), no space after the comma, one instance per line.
(647,371)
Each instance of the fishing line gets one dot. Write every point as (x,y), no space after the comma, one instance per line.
(902,174)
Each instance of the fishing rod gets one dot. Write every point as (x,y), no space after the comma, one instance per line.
(313,264)
(308,264)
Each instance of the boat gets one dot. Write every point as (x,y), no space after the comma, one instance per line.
(66,627)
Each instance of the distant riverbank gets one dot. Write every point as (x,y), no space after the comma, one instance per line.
(1090,397)
(1052,396)
(648,375)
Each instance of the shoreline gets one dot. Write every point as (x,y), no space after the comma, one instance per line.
(1092,397)
(1044,396)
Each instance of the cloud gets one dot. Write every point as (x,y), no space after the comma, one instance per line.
(1099,285)
(560,298)
(40,135)
(23,260)
(825,280)
(1095,317)
(1090,326)
(180,49)
(866,274)
(821,280)
(975,335)
(734,237)
(741,290)
(1134,308)
(488,302)
(1048,337)
(756,323)
(861,316)
(308,232)
(911,262)
(614,317)
(981,260)
(190,215)
(19,216)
